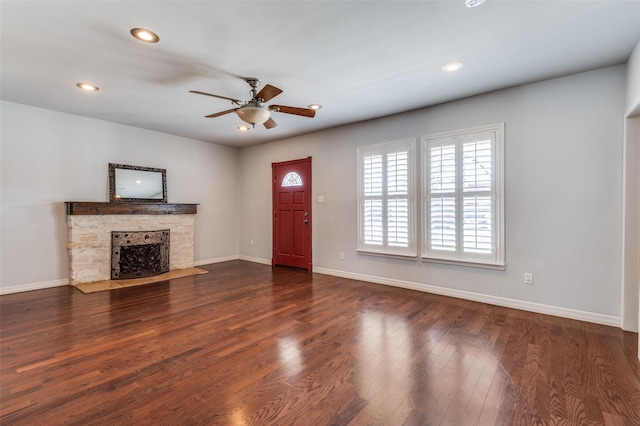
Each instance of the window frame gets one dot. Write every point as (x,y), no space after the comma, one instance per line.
(410,252)
(496,260)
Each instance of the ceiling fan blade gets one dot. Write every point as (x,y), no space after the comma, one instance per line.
(270,123)
(268,92)
(218,114)
(305,112)
(235,101)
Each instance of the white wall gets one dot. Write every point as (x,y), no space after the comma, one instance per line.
(564,141)
(50,157)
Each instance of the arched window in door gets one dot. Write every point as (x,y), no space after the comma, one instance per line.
(292,179)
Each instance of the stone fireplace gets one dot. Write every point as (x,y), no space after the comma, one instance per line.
(90,227)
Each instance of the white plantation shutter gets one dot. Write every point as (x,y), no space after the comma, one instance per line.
(372,202)
(398,222)
(478,197)
(477,235)
(464,196)
(442,186)
(442,223)
(398,198)
(373,222)
(386,200)
(442,167)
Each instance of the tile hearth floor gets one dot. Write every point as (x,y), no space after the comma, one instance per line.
(96,286)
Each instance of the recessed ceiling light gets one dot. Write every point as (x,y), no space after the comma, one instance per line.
(473,3)
(145,35)
(453,66)
(242,128)
(314,106)
(88,87)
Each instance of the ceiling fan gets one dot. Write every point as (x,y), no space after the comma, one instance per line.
(254,111)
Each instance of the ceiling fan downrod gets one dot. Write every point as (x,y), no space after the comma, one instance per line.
(254,83)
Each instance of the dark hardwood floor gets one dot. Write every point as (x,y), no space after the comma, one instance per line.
(248,344)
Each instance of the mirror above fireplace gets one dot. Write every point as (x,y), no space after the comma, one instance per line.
(136,184)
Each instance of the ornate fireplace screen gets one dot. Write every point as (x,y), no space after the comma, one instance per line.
(138,254)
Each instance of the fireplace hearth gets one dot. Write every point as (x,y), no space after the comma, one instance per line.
(139,254)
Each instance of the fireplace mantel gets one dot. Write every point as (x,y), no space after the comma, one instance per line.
(104,208)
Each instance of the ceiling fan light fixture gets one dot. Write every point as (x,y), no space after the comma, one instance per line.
(453,66)
(473,3)
(145,35)
(253,114)
(88,87)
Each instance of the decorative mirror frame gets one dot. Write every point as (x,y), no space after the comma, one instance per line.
(112,184)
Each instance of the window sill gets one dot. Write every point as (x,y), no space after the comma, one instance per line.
(385,254)
(495,266)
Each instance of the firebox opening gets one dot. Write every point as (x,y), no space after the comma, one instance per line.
(139,254)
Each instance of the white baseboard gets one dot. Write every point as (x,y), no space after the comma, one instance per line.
(216,260)
(255,260)
(233,257)
(33,286)
(483,298)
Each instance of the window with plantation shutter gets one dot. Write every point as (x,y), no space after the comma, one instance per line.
(386,198)
(464,196)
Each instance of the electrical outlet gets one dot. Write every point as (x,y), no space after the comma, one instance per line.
(341,256)
(251,242)
(528,277)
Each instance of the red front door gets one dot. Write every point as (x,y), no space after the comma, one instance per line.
(292,213)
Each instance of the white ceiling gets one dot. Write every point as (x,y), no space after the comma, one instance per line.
(359,59)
